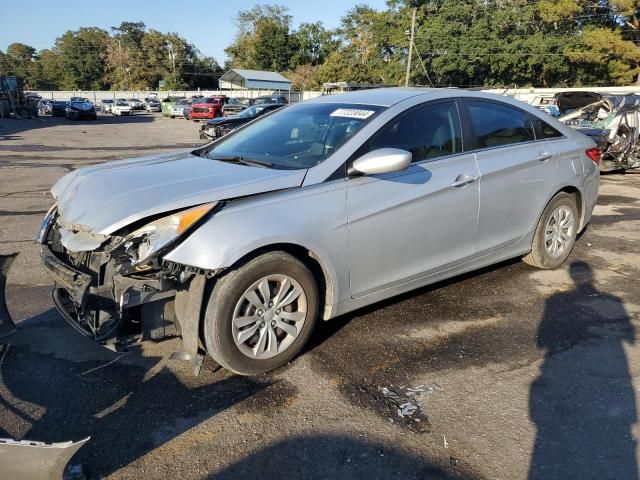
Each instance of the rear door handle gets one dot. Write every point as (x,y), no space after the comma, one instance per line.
(544,156)
(463,180)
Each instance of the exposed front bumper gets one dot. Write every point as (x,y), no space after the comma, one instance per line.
(115,312)
(73,281)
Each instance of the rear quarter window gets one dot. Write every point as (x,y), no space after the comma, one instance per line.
(495,125)
(544,130)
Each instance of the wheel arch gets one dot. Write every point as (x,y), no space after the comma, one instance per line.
(579,199)
(321,273)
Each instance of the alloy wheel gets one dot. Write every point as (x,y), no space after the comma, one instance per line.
(269,316)
(559,231)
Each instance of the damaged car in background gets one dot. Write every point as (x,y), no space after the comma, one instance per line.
(219,127)
(612,121)
(242,245)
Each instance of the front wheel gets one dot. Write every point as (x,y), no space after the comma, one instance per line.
(555,234)
(260,315)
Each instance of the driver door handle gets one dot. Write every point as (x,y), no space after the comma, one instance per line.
(463,180)
(544,156)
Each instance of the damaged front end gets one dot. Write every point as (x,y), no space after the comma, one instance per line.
(613,122)
(213,132)
(115,288)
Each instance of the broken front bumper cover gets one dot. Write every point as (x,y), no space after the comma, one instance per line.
(29,460)
(75,297)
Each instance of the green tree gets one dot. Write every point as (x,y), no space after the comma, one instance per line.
(20,61)
(263,40)
(314,43)
(83,58)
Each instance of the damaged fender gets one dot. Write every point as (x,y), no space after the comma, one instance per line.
(7,326)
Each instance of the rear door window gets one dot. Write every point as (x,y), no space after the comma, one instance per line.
(427,132)
(495,125)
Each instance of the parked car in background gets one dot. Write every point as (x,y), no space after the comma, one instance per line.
(308,213)
(207,108)
(79,109)
(58,108)
(135,103)
(153,105)
(270,99)
(79,99)
(105,105)
(218,127)
(167,104)
(234,106)
(120,108)
(180,109)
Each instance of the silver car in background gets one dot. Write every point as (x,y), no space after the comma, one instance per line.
(310,212)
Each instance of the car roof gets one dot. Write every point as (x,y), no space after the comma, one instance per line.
(387,97)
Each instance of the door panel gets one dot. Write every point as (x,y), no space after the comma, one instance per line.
(515,181)
(403,226)
(516,172)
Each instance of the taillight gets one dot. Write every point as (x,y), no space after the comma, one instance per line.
(594,154)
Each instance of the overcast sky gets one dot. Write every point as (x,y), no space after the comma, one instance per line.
(209,25)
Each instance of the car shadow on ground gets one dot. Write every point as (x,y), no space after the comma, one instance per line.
(56,386)
(329,456)
(327,329)
(583,402)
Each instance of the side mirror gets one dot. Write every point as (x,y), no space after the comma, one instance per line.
(382,160)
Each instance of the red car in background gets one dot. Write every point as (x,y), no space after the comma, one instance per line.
(207,108)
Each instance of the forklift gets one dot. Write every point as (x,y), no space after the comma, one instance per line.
(13,99)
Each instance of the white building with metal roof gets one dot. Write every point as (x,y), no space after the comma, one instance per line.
(237,79)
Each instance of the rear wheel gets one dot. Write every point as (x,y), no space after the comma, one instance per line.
(555,234)
(260,315)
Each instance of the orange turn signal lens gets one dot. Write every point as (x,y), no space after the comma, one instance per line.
(191,216)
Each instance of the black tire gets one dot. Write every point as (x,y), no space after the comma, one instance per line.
(5,109)
(539,257)
(228,290)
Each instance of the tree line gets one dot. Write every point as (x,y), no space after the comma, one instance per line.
(462,43)
(130,57)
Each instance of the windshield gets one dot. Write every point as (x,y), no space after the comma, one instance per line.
(296,137)
(262,101)
(249,112)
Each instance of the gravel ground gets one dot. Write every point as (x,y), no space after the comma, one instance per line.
(524,373)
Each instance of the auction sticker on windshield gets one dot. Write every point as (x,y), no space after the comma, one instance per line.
(352,113)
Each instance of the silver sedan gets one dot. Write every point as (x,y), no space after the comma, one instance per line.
(310,212)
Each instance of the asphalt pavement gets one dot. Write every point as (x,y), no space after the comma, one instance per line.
(510,372)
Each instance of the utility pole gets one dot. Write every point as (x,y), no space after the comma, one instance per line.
(172,55)
(413,30)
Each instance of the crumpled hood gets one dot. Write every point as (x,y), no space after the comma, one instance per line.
(107,197)
(228,120)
